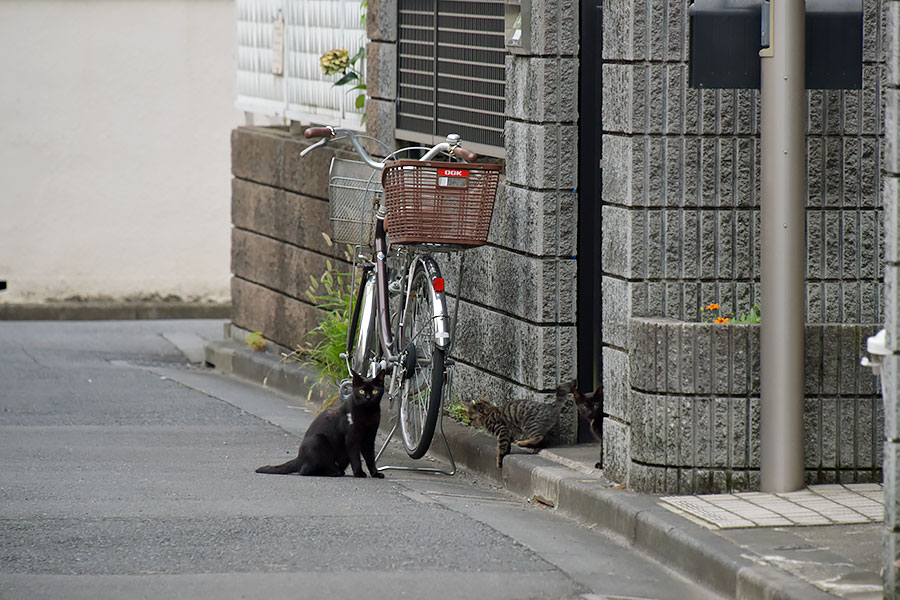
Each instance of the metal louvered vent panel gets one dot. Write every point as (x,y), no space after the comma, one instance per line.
(451,72)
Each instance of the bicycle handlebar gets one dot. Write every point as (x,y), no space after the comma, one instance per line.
(451,146)
(312,132)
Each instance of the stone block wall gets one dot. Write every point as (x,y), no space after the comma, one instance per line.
(695,406)
(279,215)
(891,267)
(681,186)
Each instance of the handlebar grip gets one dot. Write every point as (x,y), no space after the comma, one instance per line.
(317,132)
(465,154)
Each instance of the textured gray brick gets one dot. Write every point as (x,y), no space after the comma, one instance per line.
(618,90)
(686,438)
(656,95)
(381,20)
(847,436)
(677,32)
(273,264)
(891,162)
(815,181)
(618,30)
(872,110)
(656,242)
(380,120)
(833,169)
(703,442)
(283,319)
(892,305)
(616,385)
(616,450)
(816,112)
(873,15)
(829,434)
(557,80)
(655,165)
(811,434)
(892,45)
(554,27)
(891,550)
(891,218)
(526,221)
(298,220)
(870,181)
(619,171)
(657,31)
(754,420)
(623,242)
(709,245)
(381,70)
(676,81)
(512,348)
(709,172)
(813,347)
(543,286)
(542,156)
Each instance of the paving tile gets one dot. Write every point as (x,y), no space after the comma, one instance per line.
(817,505)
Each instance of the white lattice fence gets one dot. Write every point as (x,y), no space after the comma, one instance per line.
(302,92)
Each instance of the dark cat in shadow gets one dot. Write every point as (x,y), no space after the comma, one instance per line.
(340,434)
(590,406)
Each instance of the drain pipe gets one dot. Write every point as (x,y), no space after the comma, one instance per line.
(783,277)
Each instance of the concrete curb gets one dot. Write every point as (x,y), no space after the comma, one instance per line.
(695,551)
(107,311)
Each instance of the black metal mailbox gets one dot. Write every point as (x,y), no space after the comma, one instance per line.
(725,43)
(727,35)
(833,44)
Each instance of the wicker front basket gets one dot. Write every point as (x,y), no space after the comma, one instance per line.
(439,202)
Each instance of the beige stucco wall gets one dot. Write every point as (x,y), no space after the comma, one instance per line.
(115,117)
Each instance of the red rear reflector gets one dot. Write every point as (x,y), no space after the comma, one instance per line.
(438,284)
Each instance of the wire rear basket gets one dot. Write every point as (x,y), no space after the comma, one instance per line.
(354,189)
(443,203)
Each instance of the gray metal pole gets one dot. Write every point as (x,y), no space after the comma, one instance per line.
(783,210)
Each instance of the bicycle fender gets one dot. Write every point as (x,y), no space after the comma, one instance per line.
(439,304)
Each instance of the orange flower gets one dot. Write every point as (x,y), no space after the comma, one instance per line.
(721,320)
(712,306)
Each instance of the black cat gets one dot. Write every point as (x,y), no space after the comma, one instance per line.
(340,434)
(590,406)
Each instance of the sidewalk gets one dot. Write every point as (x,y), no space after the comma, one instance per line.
(824,542)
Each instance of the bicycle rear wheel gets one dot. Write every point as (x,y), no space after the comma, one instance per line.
(422,361)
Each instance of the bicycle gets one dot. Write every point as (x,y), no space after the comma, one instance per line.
(396,222)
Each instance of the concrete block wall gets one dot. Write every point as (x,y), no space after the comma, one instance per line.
(279,215)
(891,267)
(681,186)
(695,407)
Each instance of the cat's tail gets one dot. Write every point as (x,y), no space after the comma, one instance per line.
(291,466)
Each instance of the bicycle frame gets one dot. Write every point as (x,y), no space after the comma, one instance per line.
(362,314)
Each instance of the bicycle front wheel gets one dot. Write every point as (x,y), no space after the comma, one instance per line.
(422,362)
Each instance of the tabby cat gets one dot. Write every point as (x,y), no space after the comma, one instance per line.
(340,434)
(525,421)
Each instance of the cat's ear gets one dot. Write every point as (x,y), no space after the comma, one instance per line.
(379,377)
(598,393)
(357,378)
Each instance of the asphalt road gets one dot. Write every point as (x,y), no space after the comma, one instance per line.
(128,472)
